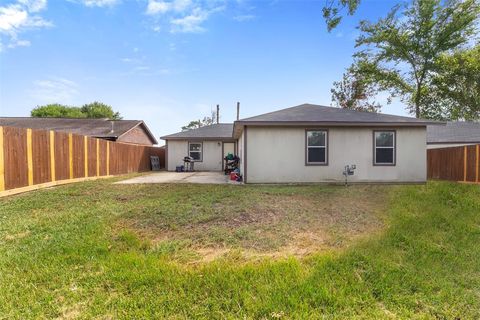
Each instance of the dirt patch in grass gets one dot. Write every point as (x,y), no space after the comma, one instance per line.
(259,221)
(21,235)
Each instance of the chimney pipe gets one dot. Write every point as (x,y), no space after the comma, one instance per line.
(238,110)
(218,113)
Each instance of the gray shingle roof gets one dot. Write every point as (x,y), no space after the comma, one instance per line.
(315,113)
(218,130)
(100,128)
(454,132)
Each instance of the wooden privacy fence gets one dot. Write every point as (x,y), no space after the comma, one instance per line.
(454,163)
(34,158)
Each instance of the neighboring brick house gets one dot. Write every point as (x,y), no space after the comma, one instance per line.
(127,131)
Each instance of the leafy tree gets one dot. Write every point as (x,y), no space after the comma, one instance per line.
(332,11)
(100,110)
(91,110)
(456,85)
(56,111)
(399,53)
(354,93)
(192,125)
(206,121)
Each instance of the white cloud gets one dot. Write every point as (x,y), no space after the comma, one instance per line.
(12,17)
(244,17)
(100,3)
(19,43)
(131,60)
(155,7)
(34,5)
(190,23)
(183,15)
(181,5)
(20,17)
(54,89)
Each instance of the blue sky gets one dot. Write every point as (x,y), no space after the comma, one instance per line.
(169,62)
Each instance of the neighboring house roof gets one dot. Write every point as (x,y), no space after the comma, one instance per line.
(310,113)
(454,132)
(99,128)
(214,131)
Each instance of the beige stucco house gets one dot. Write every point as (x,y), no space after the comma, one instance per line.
(308,144)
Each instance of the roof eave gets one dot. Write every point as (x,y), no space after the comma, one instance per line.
(339,123)
(453,142)
(198,138)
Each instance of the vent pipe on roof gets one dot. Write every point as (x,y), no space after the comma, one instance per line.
(238,110)
(218,113)
(111,126)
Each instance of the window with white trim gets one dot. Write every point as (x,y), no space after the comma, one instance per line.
(384,148)
(316,141)
(195,150)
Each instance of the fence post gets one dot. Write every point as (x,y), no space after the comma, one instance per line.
(2,162)
(85,145)
(29,157)
(70,154)
(52,155)
(465,164)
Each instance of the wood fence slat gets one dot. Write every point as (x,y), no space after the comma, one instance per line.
(15,157)
(108,158)
(85,158)
(2,162)
(29,157)
(52,155)
(92,157)
(70,155)
(41,156)
(98,157)
(78,156)
(62,156)
(470,164)
(477,160)
(103,157)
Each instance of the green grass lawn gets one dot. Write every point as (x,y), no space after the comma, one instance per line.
(99,250)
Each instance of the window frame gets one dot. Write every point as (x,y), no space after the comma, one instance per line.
(327,144)
(394,148)
(201,150)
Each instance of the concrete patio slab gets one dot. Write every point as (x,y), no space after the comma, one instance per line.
(181,177)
